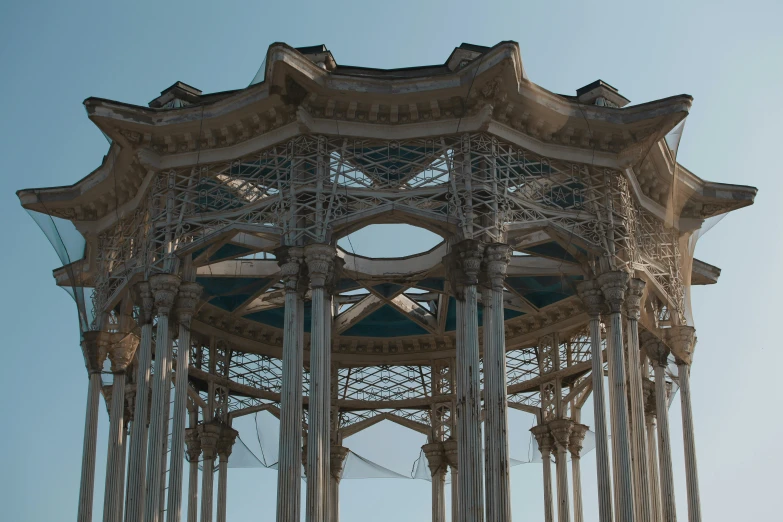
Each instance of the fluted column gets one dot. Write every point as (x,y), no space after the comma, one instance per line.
(545,443)
(289,481)
(464,264)
(94,347)
(137,453)
(337,455)
(121,352)
(575,442)
(320,264)
(164,288)
(658,353)
(209,435)
(226,441)
(561,433)
(187,299)
(591,295)
(193,441)
(633,300)
(438,464)
(652,451)
(496,258)
(682,340)
(450,454)
(614,285)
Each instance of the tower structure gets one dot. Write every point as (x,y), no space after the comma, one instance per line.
(210,261)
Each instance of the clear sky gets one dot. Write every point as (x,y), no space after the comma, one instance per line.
(728,55)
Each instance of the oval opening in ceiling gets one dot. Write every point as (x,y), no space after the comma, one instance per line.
(389,240)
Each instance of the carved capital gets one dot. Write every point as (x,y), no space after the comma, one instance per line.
(614,285)
(187,300)
(122,350)
(209,435)
(648,389)
(450,452)
(561,432)
(436,457)
(193,443)
(463,264)
(337,456)
(320,264)
(291,261)
(577,439)
(655,348)
(225,443)
(543,438)
(95,346)
(591,295)
(496,259)
(682,341)
(633,297)
(146,302)
(164,288)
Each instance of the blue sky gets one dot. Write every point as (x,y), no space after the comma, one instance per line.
(728,55)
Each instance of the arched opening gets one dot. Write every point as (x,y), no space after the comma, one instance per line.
(389,240)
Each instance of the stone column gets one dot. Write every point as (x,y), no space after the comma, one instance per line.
(289,481)
(682,340)
(591,295)
(545,443)
(94,347)
(614,285)
(164,288)
(658,353)
(496,258)
(652,451)
(121,352)
(226,441)
(337,455)
(187,299)
(193,441)
(450,454)
(561,433)
(575,442)
(320,264)
(137,457)
(464,264)
(633,298)
(209,435)
(436,460)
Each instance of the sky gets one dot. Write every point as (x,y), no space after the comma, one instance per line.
(727,55)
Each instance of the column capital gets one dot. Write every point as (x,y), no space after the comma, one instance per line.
(681,340)
(591,295)
(187,300)
(496,259)
(209,435)
(561,432)
(226,440)
(576,439)
(164,288)
(436,457)
(292,262)
(648,388)
(543,438)
(122,349)
(633,297)
(337,456)
(450,452)
(655,348)
(614,285)
(193,444)
(146,301)
(320,260)
(463,264)
(95,346)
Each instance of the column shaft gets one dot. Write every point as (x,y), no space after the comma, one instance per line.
(87,484)
(290,460)
(137,458)
(664,446)
(576,482)
(158,420)
(469,447)
(222,488)
(439,495)
(563,506)
(207,494)
(114,456)
(548,511)
(652,464)
(689,444)
(193,457)
(455,513)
